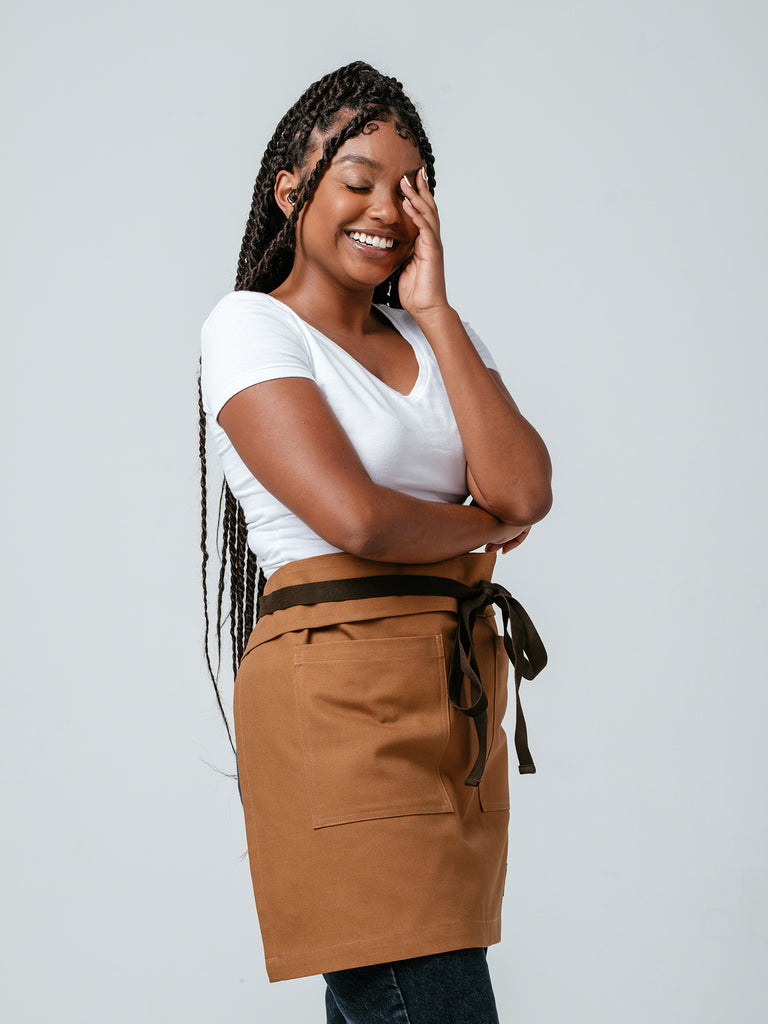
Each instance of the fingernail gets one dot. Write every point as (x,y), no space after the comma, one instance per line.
(424,174)
(405,179)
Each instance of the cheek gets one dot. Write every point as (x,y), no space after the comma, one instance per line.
(412,233)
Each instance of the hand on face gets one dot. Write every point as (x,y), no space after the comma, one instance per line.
(422,280)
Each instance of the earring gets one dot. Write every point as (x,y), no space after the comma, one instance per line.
(292,196)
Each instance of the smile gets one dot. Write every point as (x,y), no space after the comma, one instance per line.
(375,241)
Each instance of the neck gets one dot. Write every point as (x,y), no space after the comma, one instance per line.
(326,302)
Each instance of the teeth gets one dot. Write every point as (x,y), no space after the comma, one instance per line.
(375,240)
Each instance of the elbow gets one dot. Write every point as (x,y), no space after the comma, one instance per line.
(361,533)
(521,497)
(369,541)
(539,505)
(523,506)
(360,522)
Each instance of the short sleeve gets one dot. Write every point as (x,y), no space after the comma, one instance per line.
(249,338)
(482,350)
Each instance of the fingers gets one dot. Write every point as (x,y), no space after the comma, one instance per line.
(516,541)
(421,285)
(510,545)
(418,194)
(420,204)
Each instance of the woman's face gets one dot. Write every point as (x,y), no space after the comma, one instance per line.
(354,229)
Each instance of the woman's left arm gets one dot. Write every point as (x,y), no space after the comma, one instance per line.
(508,467)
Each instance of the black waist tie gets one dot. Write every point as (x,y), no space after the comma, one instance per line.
(521,641)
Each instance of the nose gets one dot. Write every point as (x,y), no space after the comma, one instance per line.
(386,206)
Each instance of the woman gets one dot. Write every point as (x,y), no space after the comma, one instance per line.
(354,412)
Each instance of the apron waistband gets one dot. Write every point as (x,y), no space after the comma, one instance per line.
(521,641)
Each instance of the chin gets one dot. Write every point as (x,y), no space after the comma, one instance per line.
(371,280)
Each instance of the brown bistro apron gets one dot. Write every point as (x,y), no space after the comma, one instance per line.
(372,760)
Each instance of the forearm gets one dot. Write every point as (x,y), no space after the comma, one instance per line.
(509,470)
(394,527)
(302,456)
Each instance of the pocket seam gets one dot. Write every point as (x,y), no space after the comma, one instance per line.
(440,801)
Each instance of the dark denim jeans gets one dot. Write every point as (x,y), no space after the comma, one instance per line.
(444,988)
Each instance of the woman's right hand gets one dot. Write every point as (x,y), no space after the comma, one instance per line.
(505,536)
(513,542)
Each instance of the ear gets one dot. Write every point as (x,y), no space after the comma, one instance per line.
(286,182)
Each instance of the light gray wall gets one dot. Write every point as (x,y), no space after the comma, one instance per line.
(601,180)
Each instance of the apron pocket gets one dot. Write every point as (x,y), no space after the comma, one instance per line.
(494,785)
(375,724)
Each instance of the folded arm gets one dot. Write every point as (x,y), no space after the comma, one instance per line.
(289,438)
(509,472)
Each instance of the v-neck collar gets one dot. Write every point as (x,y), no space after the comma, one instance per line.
(421,375)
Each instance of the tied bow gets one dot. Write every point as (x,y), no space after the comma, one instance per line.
(521,641)
(524,649)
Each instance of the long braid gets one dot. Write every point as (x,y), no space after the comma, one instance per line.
(250,589)
(231,510)
(204,549)
(226,523)
(242,545)
(265,260)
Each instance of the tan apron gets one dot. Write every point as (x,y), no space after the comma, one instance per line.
(365,842)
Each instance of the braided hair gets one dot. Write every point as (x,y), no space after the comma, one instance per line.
(341,105)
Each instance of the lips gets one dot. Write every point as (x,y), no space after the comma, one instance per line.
(371,241)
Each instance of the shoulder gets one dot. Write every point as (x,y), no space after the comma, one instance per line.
(250,321)
(246,310)
(247,338)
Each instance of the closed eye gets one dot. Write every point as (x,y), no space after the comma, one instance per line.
(368,188)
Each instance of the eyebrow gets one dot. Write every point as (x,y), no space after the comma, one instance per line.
(356,158)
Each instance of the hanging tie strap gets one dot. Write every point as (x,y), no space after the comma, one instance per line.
(524,649)
(521,641)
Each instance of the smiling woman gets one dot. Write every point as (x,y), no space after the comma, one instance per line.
(356,213)
(354,413)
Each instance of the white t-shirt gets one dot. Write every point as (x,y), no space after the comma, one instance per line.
(407,442)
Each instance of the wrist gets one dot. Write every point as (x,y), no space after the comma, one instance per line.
(488,526)
(436,318)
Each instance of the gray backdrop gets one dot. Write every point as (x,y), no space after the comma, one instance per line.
(601,179)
